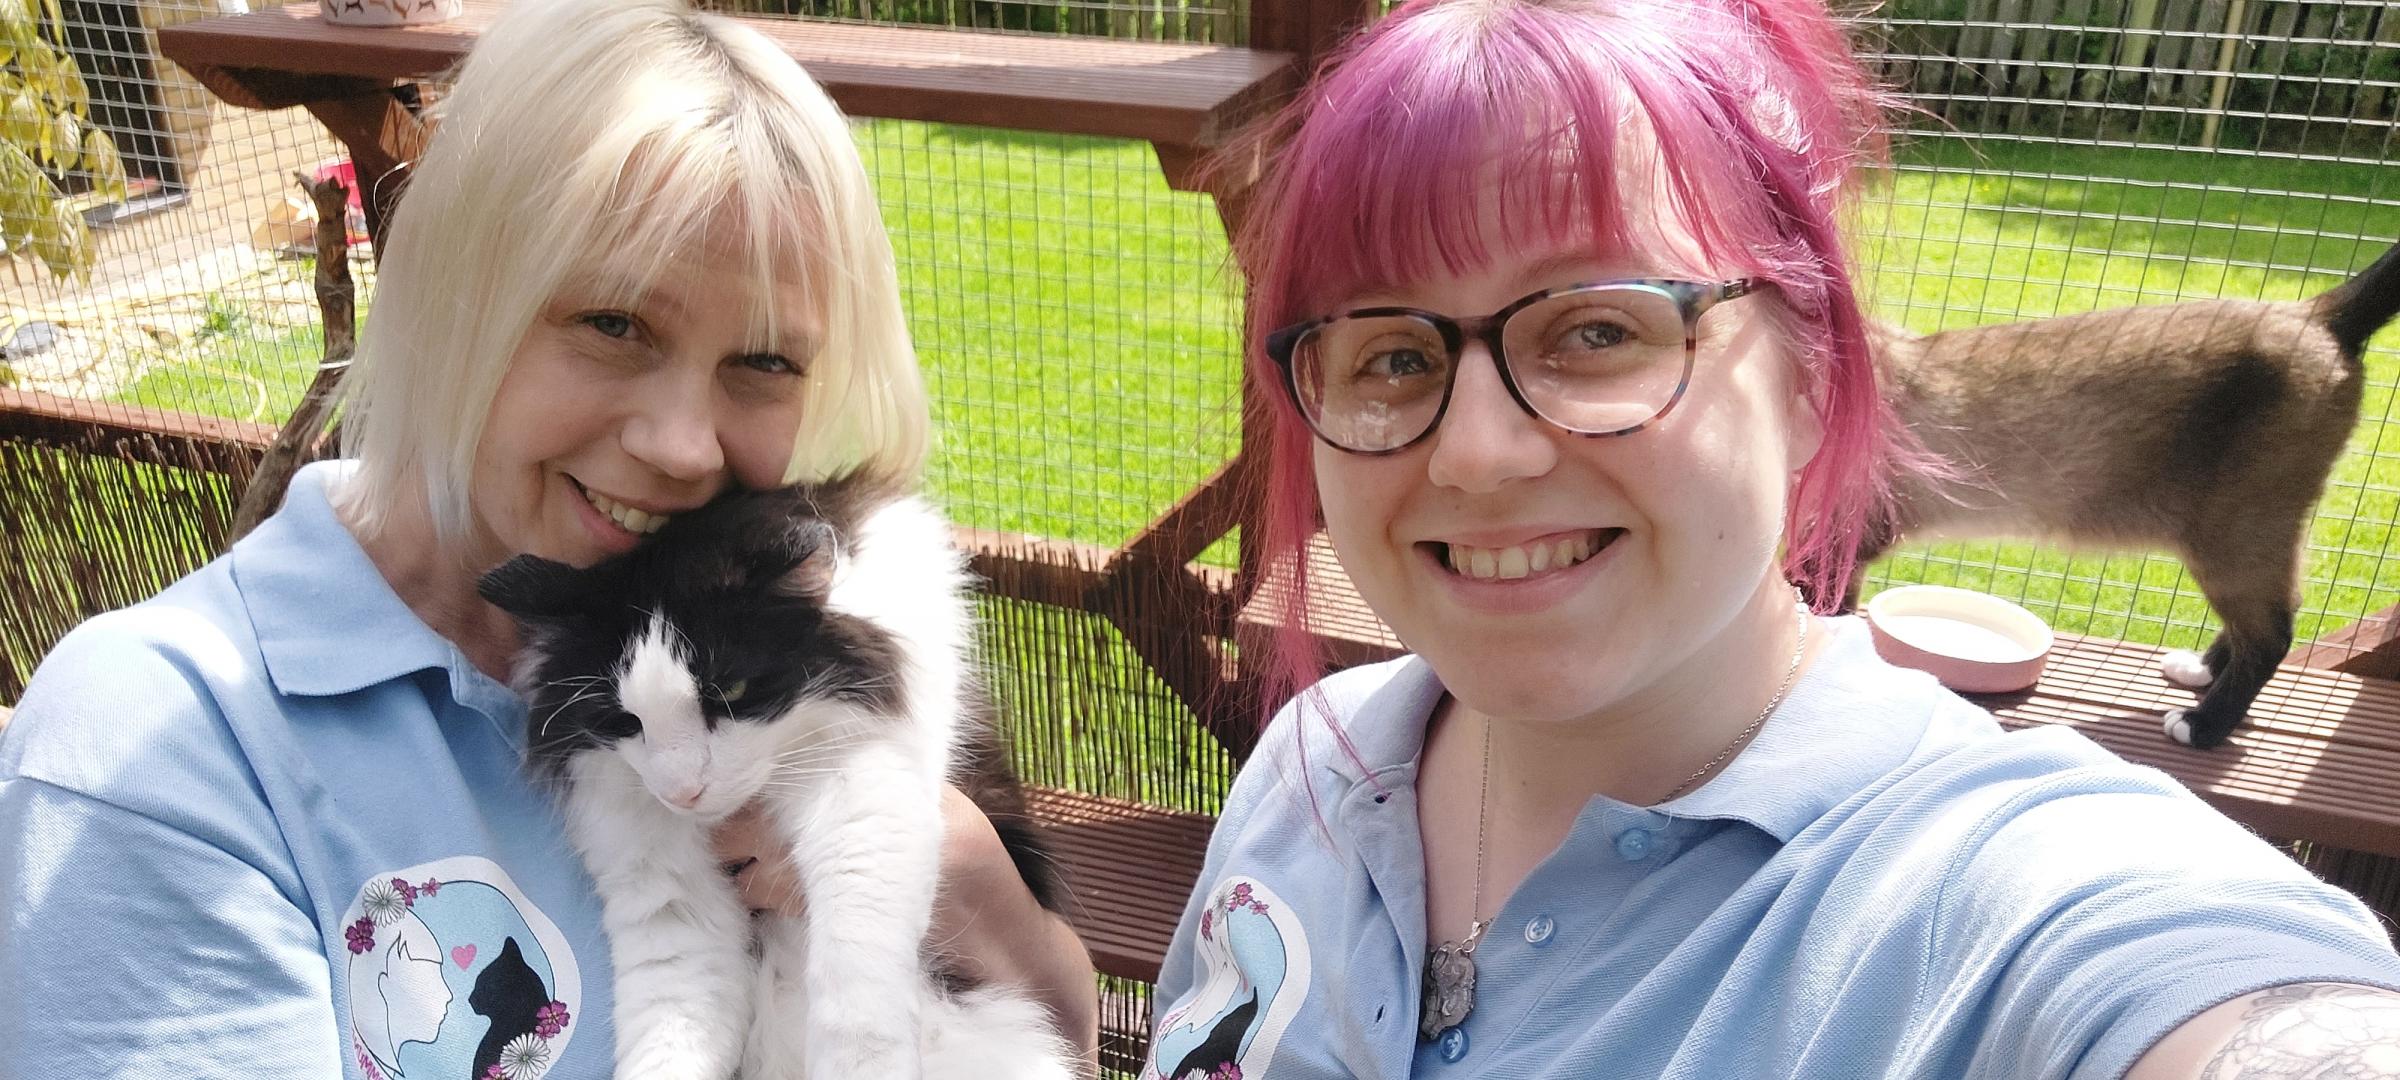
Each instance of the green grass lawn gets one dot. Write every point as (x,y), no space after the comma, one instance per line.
(1078,324)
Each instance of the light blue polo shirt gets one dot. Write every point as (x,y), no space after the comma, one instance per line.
(269,824)
(1884,884)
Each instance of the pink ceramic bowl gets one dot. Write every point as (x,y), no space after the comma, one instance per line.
(1973,642)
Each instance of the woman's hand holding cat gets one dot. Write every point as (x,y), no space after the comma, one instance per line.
(985,919)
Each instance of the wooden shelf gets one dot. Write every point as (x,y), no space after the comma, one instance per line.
(1176,94)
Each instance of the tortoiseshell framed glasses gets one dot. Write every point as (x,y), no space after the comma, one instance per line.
(1597,359)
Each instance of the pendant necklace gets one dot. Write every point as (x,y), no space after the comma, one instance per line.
(1449,993)
(1449,984)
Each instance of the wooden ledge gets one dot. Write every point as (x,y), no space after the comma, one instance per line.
(1176,94)
(1130,869)
(132,432)
(2319,758)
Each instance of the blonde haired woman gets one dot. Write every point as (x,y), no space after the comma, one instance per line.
(639,265)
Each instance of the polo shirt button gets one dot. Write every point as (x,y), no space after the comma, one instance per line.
(1453,1044)
(1633,844)
(1538,930)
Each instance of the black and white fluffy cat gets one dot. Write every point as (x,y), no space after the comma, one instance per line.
(806,648)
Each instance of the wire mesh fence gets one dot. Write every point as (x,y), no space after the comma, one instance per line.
(1224,22)
(2074,155)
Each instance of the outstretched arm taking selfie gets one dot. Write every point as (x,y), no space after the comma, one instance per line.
(2300,1030)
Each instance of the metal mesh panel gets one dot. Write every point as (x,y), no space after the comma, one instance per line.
(1221,21)
(1078,329)
(196,301)
(2076,155)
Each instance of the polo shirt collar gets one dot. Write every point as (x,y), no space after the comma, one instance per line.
(1850,721)
(327,621)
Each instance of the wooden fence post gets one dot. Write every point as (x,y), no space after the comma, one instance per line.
(2218,86)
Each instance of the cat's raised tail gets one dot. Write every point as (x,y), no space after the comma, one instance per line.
(2357,308)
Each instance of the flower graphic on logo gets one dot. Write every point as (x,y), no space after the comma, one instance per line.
(1241,894)
(384,903)
(1206,919)
(550,1020)
(524,1058)
(361,934)
(432,887)
(408,892)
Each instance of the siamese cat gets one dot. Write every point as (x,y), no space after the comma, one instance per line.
(2205,429)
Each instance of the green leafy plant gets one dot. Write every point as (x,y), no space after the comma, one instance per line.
(46,134)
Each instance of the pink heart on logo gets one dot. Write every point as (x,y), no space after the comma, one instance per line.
(462,955)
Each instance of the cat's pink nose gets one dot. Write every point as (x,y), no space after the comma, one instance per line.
(688,797)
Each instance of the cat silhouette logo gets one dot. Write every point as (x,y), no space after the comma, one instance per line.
(454,975)
(1253,973)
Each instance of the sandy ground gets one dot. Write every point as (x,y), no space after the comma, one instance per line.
(159,278)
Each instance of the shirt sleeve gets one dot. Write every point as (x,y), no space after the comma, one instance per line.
(2104,921)
(132,949)
(150,921)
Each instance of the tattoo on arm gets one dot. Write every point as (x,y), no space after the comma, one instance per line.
(2314,1030)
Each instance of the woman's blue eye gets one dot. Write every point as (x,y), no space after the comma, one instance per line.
(769,363)
(1599,335)
(1399,363)
(615,324)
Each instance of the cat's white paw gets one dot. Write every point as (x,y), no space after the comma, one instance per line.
(2178,728)
(2186,669)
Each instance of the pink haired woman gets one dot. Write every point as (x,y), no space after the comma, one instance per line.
(1571,371)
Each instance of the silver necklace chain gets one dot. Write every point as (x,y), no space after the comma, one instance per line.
(1740,740)
(1483,812)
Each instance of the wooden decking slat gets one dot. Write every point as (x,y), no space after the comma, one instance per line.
(1130,868)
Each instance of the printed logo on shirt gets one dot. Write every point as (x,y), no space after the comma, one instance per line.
(454,975)
(1252,974)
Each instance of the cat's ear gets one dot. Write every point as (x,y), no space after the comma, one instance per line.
(532,587)
(807,554)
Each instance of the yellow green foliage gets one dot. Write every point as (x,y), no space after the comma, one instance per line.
(45,132)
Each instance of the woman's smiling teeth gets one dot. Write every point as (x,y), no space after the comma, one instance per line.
(637,522)
(1508,563)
